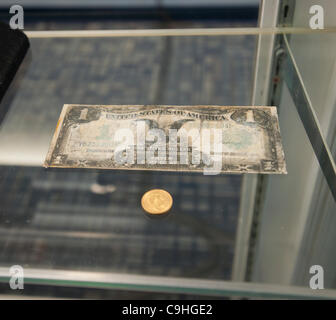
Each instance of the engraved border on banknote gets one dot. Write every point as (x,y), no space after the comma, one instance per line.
(275,164)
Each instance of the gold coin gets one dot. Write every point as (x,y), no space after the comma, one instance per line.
(156,201)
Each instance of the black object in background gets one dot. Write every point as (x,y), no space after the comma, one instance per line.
(13,47)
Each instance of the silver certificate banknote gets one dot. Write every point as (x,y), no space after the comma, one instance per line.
(208,139)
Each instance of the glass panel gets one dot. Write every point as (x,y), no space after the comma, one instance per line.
(91,220)
(318,70)
(312,53)
(297,220)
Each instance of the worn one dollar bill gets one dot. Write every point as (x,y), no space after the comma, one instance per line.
(209,139)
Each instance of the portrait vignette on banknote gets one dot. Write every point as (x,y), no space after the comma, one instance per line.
(250,119)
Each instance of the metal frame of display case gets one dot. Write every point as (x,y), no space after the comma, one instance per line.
(275,67)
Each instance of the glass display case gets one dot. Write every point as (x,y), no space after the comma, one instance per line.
(249,235)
